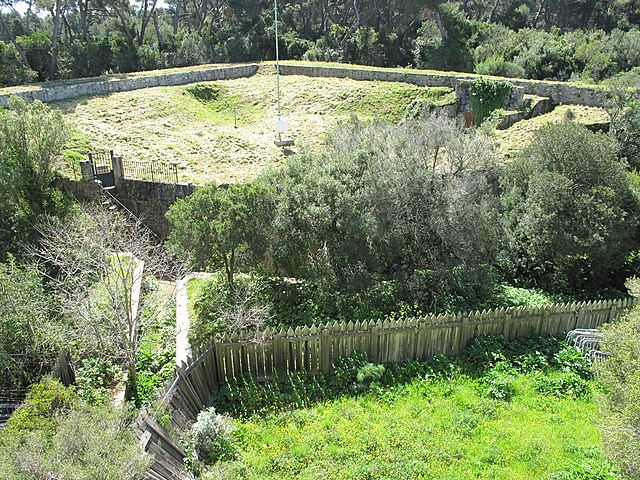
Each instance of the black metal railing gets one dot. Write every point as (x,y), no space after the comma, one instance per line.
(101,161)
(150,171)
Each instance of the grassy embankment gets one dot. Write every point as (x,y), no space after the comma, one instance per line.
(223,131)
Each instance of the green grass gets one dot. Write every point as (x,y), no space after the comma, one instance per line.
(518,136)
(442,429)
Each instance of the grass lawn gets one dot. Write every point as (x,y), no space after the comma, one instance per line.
(428,429)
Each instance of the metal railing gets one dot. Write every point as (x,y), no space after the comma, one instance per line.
(150,171)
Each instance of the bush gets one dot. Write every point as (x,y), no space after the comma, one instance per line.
(570,214)
(45,402)
(211,437)
(485,96)
(499,381)
(85,442)
(620,374)
(498,67)
(12,70)
(571,359)
(561,384)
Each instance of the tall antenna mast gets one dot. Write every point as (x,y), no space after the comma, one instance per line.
(281,122)
(275,9)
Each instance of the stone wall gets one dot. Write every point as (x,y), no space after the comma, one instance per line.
(104,87)
(149,201)
(559,92)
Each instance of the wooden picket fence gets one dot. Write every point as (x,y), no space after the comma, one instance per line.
(315,348)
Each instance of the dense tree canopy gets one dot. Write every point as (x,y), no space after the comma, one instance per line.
(536,38)
(570,213)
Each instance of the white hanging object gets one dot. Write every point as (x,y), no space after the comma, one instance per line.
(282,124)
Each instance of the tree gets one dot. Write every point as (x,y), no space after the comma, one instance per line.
(384,199)
(570,215)
(620,374)
(13,71)
(219,227)
(31,135)
(101,268)
(25,350)
(624,109)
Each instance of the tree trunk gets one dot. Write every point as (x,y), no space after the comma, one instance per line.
(131,389)
(57,17)
(158,32)
(176,17)
(443,31)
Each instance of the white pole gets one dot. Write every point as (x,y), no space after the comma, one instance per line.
(275,8)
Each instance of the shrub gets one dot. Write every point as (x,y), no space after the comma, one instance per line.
(499,381)
(45,401)
(498,67)
(561,384)
(571,359)
(345,369)
(86,442)
(485,96)
(620,374)
(570,214)
(370,374)
(211,436)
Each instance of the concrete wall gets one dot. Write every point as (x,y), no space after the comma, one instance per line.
(559,92)
(149,201)
(104,87)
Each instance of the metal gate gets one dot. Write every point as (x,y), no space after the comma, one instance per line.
(102,165)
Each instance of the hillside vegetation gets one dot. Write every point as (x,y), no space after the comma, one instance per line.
(224,131)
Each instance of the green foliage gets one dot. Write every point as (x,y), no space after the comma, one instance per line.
(497,66)
(96,379)
(45,401)
(570,214)
(384,432)
(380,198)
(220,226)
(220,309)
(209,440)
(561,384)
(571,359)
(356,373)
(85,58)
(12,70)
(37,47)
(624,109)
(457,289)
(485,96)
(155,359)
(85,442)
(526,354)
(620,374)
(31,135)
(26,344)
(499,381)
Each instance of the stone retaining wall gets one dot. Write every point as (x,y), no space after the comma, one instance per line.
(149,201)
(559,92)
(104,87)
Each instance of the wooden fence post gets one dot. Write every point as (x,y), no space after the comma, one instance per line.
(373,342)
(325,350)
